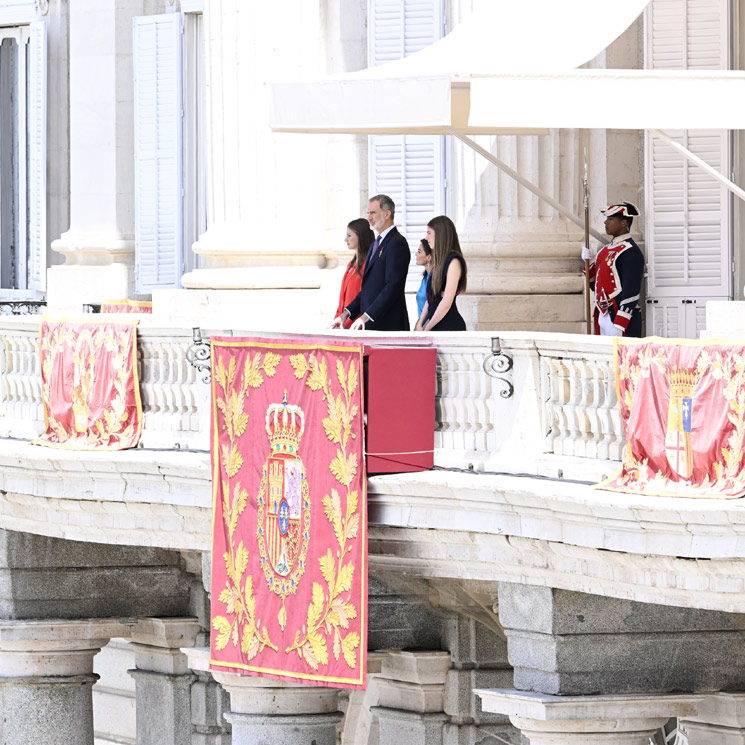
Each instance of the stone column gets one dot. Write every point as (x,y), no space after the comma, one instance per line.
(523,257)
(272,712)
(719,720)
(587,720)
(99,246)
(163,680)
(275,713)
(46,677)
(411,690)
(264,221)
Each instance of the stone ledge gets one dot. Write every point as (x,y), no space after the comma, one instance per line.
(440,523)
(687,583)
(542,706)
(560,512)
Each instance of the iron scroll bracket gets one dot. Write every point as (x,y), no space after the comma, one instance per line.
(496,365)
(198,354)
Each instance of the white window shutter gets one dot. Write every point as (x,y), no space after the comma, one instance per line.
(158,151)
(37,156)
(665,317)
(410,169)
(398,28)
(688,214)
(677,317)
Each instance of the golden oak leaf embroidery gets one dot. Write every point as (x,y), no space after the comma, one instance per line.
(331,609)
(240,624)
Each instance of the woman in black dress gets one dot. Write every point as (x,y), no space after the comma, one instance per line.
(446,280)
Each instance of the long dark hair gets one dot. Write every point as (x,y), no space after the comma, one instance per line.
(446,243)
(428,250)
(365,237)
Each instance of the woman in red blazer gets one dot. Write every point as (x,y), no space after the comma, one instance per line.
(359,239)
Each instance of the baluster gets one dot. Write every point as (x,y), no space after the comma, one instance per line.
(481,414)
(559,397)
(585,408)
(572,418)
(606,445)
(618,439)
(595,397)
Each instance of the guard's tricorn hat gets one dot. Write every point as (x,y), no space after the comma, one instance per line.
(623,209)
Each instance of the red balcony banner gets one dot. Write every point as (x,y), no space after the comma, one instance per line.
(683,408)
(289,545)
(89,384)
(126,306)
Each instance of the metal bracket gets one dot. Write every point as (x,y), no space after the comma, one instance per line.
(198,354)
(496,365)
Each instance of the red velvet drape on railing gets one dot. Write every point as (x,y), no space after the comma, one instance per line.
(683,408)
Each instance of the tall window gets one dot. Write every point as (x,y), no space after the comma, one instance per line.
(23,161)
(170,202)
(408,168)
(688,214)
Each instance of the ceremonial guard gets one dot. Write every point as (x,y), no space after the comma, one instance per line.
(616,275)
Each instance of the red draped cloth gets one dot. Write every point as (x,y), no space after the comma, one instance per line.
(89,384)
(289,547)
(683,408)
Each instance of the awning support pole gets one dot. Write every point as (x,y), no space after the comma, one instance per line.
(560,208)
(702,164)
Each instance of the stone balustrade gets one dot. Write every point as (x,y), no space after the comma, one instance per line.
(175,400)
(509,408)
(21,411)
(581,408)
(524,403)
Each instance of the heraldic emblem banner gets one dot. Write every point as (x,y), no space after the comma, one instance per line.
(89,384)
(289,546)
(683,409)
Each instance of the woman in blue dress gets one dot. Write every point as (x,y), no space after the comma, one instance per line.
(423,258)
(446,280)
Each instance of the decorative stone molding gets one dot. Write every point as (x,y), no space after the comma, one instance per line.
(411,691)
(414,681)
(587,720)
(719,720)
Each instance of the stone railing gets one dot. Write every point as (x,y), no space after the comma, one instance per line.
(519,402)
(503,403)
(21,411)
(175,400)
(579,390)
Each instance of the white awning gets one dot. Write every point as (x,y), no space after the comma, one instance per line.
(610,99)
(434,88)
(490,104)
(489,76)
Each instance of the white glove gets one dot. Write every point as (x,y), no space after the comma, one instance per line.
(607,327)
(588,254)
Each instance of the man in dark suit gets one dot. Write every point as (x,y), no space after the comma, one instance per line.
(380,304)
